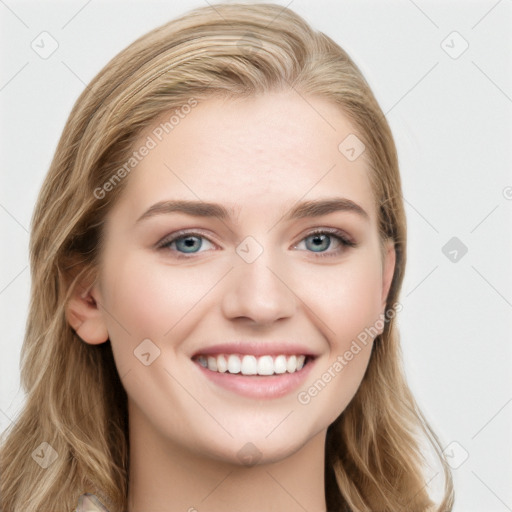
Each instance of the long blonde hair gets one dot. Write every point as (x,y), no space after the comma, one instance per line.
(75,401)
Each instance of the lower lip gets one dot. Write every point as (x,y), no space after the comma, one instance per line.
(259,386)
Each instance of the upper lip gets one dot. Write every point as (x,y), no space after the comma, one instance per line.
(256,348)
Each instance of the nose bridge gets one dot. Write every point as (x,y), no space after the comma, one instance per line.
(257,287)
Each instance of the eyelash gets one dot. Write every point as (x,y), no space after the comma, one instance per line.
(334,233)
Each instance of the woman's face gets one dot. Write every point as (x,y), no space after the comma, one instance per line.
(238,271)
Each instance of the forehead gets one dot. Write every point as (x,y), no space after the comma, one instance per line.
(253,155)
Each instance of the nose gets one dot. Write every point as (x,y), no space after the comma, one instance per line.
(259,291)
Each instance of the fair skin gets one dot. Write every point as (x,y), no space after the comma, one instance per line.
(258,157)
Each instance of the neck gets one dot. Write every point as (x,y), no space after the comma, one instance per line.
(170,478)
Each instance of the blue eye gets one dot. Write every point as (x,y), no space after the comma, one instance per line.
(321,240)
(189,243)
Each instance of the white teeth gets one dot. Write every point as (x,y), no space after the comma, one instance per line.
(252,365)
(280,364)
(249,365)
(222,365)
(234,364)
(265,365)
(212,363)
(291,364)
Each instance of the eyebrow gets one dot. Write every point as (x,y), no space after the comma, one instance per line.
(314,208)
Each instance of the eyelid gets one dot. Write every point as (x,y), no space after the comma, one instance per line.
(183,233)
(340,233)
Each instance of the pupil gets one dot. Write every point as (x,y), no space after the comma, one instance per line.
(190,242)
(321,242)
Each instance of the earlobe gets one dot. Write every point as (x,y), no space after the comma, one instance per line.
(388,270)
(85,317)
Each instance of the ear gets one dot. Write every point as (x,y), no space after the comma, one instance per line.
(84,315)
(388,270)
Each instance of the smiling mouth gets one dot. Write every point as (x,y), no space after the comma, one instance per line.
(249,365)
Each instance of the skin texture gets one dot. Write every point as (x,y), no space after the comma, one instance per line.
(258,156)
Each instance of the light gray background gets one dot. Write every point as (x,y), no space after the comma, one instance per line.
(451,118)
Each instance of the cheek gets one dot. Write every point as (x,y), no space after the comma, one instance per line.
(140,304)
(136,298)
(145,299)
(348,301)
(346,298)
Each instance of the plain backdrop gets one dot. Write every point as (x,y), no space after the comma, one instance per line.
(442,74)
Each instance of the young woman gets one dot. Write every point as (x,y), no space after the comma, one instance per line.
(217,254)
